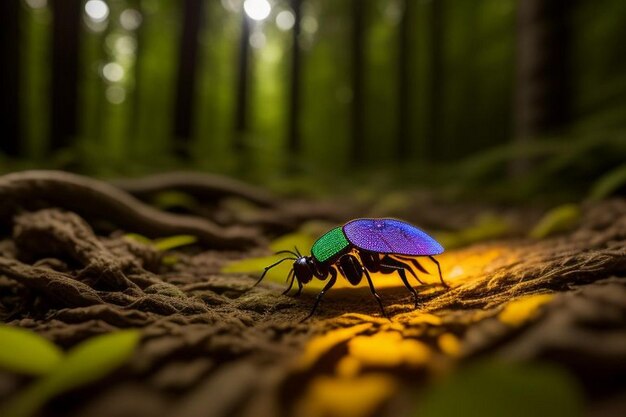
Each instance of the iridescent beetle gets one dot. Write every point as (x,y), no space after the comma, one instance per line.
(359,247)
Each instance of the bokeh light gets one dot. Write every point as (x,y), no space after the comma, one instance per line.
(115,94)
(130,19)
(97,10)
(285,20)
(37,4)
(257,9)
(113,72)
(257,40)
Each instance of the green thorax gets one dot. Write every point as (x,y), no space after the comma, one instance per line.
(329,245)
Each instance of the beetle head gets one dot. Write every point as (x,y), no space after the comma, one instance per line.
(303,268)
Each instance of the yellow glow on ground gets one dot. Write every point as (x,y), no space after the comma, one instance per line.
(388,349)
(467,265)
(520,311)
(449,344)
(345,397)
(321,344)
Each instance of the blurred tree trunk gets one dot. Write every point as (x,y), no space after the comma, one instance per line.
(10,76)
(404,80)
(242,88)
(542,89)
(134,97)
(187,71)
(64,83)
(357,68)
(436,79)
(294,93)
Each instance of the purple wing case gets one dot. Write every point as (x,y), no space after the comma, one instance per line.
(391,236)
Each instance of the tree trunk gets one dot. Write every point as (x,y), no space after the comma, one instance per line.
(436,80)
(187,71)
(357,68)
(294,93)
(64,83)
(542,85)
(10,76)
(243,81)
(404,81)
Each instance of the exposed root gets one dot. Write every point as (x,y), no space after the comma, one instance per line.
(97,199)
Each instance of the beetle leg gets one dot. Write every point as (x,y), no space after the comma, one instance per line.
(300,286)
(439,268)
(396,264)
(291,275)
(414,262)
(374,293)
(402,273)
(328,286)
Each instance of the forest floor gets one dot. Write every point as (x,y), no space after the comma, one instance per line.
(211,346)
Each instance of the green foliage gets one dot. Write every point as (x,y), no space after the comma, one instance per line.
(491,389)
(24,351)
(607,184)
(167,200)
(560,219)
(487,227)
(84,364)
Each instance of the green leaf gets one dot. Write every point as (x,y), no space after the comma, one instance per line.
(138,238)
(86,363)
(560,219)
(607,184)
(491,389)
(173,242)
(25,352)
(167,200)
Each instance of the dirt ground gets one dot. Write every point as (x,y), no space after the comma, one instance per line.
(211,346)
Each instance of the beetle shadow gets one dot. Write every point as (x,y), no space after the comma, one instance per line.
(395,299)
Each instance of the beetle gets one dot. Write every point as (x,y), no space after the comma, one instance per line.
(358,248)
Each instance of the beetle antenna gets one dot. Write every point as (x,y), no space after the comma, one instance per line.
(267,268)
(286,251)
(297,251)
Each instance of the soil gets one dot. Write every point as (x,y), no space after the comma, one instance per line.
(212,346)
